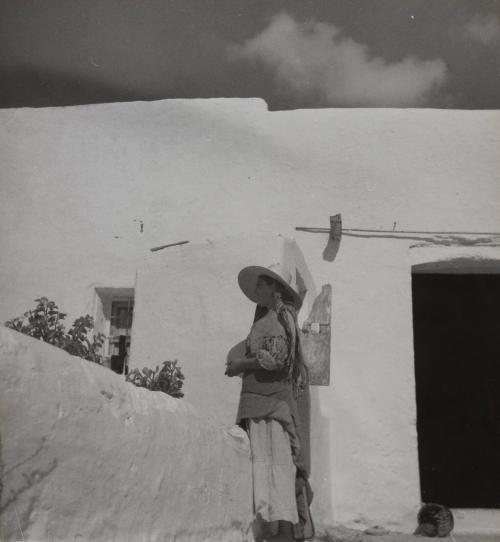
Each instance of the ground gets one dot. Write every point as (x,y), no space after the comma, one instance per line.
(343,534)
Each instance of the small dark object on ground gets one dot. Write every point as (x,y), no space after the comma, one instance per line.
(376,530)
(434,520)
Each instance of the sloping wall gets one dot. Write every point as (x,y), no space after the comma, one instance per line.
(86,456)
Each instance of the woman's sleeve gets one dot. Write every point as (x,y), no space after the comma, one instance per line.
(276,350)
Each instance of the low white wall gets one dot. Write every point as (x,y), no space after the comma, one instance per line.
(85,455)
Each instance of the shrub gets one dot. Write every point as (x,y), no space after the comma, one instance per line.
(78,342)
(169,379)
(45,322)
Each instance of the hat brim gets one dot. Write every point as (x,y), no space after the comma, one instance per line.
(247,280)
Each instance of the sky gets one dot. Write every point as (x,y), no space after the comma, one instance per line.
(292,53)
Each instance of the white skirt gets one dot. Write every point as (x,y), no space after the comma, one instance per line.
(273,471)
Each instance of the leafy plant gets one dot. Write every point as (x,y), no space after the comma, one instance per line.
(78,342)
(45,322)
(169,379)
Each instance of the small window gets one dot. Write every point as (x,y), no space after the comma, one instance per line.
(114,315)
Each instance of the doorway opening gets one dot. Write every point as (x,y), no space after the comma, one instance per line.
(114,315)
(456,323)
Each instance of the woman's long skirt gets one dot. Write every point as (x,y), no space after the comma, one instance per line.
(273,471)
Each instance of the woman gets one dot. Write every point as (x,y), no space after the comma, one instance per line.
(274,404)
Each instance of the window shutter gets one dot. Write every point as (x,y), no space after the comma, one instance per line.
(316,338)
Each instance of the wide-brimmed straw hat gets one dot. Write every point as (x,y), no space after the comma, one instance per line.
(247,279)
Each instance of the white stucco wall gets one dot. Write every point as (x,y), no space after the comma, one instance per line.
(189,307)
(76,178)
(86,456)
(202,170)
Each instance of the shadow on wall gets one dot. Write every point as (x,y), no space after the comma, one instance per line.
(316,339)
(321,475)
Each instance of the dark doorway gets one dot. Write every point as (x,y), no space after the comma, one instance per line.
(456,322)
(119,334)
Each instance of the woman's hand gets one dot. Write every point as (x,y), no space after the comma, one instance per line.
(234,367)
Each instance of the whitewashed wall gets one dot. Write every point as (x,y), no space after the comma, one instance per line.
(87,456)
(189,307)
(78,179)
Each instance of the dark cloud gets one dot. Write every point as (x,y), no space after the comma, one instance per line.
(484,28)
(440,53)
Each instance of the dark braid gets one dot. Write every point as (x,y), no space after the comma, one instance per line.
(297,370)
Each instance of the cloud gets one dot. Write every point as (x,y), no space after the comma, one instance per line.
(484,28)
(316,61)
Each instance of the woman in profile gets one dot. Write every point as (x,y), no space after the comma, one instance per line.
(274,406)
